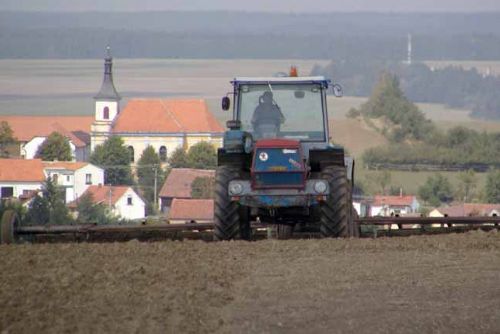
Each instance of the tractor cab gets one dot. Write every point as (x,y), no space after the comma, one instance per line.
(291,108)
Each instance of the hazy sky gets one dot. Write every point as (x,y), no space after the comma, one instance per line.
(256,5)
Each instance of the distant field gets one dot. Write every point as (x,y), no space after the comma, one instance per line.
(66,87)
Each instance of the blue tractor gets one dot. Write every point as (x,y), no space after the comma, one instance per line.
(277,165)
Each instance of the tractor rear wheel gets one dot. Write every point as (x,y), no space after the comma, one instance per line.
(231,220)
(336,216)
(8,225)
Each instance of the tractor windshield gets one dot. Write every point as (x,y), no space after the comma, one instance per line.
(293,111)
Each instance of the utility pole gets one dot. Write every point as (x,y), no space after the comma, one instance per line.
(155,192)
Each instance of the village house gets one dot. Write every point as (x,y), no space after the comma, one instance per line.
(19,178)
(178,185)
(164,124)
(122,201)
(467,210)
(32,131)
(394,205)
(184,211)
(73,177)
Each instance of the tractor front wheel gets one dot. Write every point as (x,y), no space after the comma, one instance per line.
(231,220)
(336,216)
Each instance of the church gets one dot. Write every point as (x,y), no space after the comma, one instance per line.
(164,124)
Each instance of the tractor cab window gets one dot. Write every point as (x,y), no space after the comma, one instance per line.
(293,111)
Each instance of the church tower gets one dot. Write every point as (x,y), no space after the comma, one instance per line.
(107,105)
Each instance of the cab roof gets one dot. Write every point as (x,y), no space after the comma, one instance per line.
(264,80)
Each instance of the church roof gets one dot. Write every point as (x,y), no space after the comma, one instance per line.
(108,90)
(166,116)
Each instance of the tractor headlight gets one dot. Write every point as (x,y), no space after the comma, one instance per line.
(320,187)
(235,188)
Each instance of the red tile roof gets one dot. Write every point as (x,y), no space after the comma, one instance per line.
(380,200)
(68,165)
(178,182)
(469,209)
(192,209)
(102,194)
(21,170)
(76,128)
(166,116)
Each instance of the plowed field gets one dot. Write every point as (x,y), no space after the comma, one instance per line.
(445,284)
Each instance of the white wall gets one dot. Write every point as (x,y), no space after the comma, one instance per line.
(19,187)
(30,148)
(80,178)
(135,211)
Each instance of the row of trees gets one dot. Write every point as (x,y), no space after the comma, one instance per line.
(452,86)
(414,139)
(438,189)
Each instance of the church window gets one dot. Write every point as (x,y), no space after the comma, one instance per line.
(106,113)
(163,153)
(131,153)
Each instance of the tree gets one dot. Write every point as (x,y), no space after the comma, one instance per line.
(50,207)
(148,170)
(436,190)
(114,158)
(203,188)
(178,159)
(202,156)
(467,185)
(38,212)
(6,139)
(492,190)
(90,212)
(55,147)
(404,121)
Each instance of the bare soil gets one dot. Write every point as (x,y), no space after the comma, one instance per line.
(445,284)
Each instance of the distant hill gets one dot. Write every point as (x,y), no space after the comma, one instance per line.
(249,35)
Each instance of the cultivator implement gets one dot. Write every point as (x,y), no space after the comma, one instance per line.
(11,231)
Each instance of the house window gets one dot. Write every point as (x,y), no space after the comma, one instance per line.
(7,192)
(129,200)
(88,178)
(68,178)
(106,113)
(55,177)
(131,153)
(163,153)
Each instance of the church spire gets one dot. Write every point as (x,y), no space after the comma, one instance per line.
(108,90)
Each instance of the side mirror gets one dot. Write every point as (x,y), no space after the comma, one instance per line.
(226,103)
(337,90)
